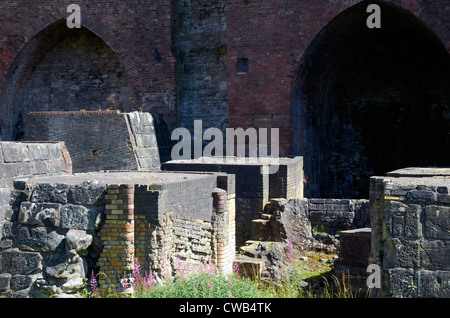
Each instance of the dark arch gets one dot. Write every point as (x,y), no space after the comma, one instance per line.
(63,69)
(368,101)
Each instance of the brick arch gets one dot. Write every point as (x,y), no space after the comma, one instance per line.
(434,14)
(46,19)
(328,126)
(39,39)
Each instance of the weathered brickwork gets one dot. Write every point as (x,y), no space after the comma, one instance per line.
(65,228)
(253,189)
(100,140)
(137,35)
(202,68)
(117,234)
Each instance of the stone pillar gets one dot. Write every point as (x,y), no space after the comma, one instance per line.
(224,238)
(117,259)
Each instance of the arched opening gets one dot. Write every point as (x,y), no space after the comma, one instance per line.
(62,69)
(368,101)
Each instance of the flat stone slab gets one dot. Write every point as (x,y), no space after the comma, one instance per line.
(416,172)
(132,177)
(250,161)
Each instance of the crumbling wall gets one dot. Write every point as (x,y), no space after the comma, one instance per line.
(28,160)
(253,189)
(49,242)
(310,223)
(410,233)
(67,228)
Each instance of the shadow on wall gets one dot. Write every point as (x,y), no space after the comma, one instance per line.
(368,101)
(63,69)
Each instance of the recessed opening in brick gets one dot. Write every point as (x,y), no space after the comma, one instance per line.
(62,69)
(242,66)
(369,101)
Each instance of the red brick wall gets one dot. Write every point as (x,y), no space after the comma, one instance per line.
(273,35)
(133,29)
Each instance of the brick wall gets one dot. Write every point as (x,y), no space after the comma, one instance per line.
(253,189)
(202,70)
(281,41)
(116,261)
(139,34)
(102,140)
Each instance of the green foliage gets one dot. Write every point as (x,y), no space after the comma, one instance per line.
(305,278)
(206,285)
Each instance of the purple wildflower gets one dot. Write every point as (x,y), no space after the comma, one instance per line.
(94,284)
(236,268)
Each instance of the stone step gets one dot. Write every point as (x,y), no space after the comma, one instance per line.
(249,266)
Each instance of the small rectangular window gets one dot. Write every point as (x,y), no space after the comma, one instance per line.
(242,66)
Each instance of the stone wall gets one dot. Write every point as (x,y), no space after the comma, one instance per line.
(28,160)
(353,261)
(410,225)
(50,244)
(67,228)
(100,140)
(310,223)
(334,215)
(253,188)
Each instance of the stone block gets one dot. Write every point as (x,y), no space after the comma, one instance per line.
(421,197)
(39,151)
(19,282)
(89,193)
(54,151)
(437,222)
(401,253)
(398,282)
(40,239)
(77,217)
(413,224)
(50,192)
(5,280)
(435,255)
(40,214)
(20,263)
(355,247)
(15,152)
(40,167)
(24,169)
(443,198)
(433,284)
(78,241)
